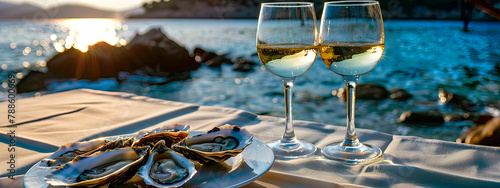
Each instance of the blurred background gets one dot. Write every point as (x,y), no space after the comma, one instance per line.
(439,76)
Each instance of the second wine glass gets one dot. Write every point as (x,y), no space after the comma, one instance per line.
(351,44)
(287,47)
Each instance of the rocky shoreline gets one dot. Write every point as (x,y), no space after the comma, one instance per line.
(153,54)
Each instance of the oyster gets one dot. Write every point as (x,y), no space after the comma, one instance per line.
(170,133)
(216,145)
(100,169)
(166,168)
(68,152)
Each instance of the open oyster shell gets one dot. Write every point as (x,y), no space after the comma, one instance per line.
(170,133)
(100,169)
(166,168)
(68,152)
(216,145)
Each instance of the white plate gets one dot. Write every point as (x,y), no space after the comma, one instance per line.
(237,171)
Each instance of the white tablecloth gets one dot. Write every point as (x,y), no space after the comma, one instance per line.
(49,121)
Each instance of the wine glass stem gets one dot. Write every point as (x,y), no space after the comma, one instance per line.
(351,139)
(289,135)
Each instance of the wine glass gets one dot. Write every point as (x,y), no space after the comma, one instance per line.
(351,44)
(287,47)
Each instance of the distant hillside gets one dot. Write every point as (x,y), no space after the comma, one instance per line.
(200,9)
(12,11)
(80,11)
(406,9)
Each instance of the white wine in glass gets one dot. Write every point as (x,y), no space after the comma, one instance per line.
(351,58)
(287,47)
(287,60)
(351,44)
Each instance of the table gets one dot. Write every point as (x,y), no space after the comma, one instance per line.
(46,122)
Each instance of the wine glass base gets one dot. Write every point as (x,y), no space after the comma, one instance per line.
(294,150)
(363,153)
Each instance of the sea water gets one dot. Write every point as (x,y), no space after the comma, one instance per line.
(420,57)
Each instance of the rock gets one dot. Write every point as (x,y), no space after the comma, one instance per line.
(100,61)
(159,52)
(422,118)
(218,60)
(178,76)
(483,134)
(212,59)
(457,101)
(33,81)
(371,91)
(456,117)
(496,70)
(199,54)
(274,94)
(307,97)
(474,117)
(367,91)
(243,65)
(399,94)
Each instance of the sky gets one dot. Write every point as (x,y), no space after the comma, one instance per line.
(113,5)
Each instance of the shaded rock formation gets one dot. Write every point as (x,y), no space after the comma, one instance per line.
(243,65)
(371,91)
(422,118)
(368,91)
(161,54)
(213,59)
(33,81)
(100,61)
(473,117)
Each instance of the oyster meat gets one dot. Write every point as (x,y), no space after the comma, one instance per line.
(219,143)
(170,133)
(101,168)
(166,168)
(166,171)
(216,145)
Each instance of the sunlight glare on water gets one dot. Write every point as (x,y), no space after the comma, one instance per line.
(85,32)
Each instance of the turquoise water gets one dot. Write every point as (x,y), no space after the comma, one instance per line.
(420,57)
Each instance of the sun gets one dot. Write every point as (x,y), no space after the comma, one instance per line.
(86,32)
